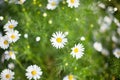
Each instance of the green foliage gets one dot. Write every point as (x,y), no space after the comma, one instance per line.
(57,63)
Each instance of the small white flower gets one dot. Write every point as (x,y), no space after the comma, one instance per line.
(37,39)
(77,51)
(116,21)
(101,5)
(50,21)
(10,25)
(66,33)
(26,36)
(13,36)
(33,72)
(115,9)
(20,1)
(58,40)
(44,14)
(73,3)
(11,66)
(69,77)
(4,43)
(9,54)
(52,4)
(1,18)
(7,74)
(97,46)
(82,38)
(116,52)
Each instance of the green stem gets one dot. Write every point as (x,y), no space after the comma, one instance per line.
(21,66)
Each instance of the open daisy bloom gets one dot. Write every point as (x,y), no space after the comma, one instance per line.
(4,43)
(116,52)
(13,35)
(10,25)
(73,3)
(33,72)
(52,4)
(77,51)
(58,40)
(7,74)
(69,77)
(9,54)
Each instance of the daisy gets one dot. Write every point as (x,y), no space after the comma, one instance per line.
(77,51)
(7,74)
(9,54)
(11,66)
(13,36)
(52,4)
(33,72)
(69,77)
(97,46)
(4,43)
(20,1)
(10,25)
(116,52)
(58,40)
(73,3)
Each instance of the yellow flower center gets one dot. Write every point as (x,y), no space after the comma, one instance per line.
(21,1)
(11,26)
(5,42)
(10,53)
(72,1)
(59,40)
(118,53)
(13,36)
(33,72)
(53,3)
(70,77)
(75,50)
(7,76)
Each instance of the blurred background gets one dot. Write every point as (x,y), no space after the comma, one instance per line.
(95,24)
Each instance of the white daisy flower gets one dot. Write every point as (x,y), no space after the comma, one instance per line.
(52,4)
(58,40)
(97,46)
(13,36)
(11,66)
(20,1)
(116,52)
(73,3)
(9,54)
(4,43)
(69,77)
(33,72)
(10,25)
(77,51)
(7,74)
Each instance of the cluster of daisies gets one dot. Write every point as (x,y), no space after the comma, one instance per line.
(105,25)
(32,72)
(52,4)
(59,40)
(11,36)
